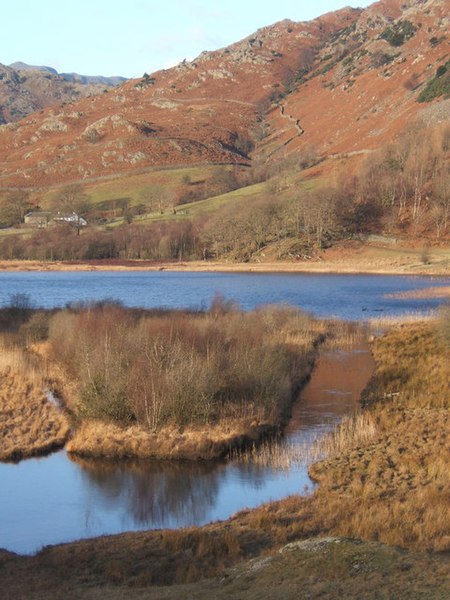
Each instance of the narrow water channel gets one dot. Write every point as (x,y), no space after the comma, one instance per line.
(55,499)
(333,391)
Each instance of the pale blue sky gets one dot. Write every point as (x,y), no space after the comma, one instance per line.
(112,37)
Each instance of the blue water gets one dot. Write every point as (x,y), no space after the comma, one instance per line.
(343,296)
(52,499)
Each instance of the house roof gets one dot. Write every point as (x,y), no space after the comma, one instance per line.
(38,213)
(70,218)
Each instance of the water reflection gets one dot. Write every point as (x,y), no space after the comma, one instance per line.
(152,493)
(333,391)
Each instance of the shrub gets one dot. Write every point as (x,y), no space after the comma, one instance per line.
(438,86)
(435,41)
(36,328)
(179,368)
(398,33)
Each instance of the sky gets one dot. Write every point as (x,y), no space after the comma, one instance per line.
(128,38)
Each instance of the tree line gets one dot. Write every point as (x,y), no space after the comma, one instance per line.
(402,189)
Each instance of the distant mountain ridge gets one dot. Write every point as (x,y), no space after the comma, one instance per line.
(21,66)
(74,77)
(25,89)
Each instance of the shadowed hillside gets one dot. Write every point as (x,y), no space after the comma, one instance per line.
(25,89)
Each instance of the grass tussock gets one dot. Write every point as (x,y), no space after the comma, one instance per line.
(395,487)
(180,384)
(29,424)
(413,367)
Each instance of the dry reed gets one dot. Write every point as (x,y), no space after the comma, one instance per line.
(29,424)
(354,431)
(388,321)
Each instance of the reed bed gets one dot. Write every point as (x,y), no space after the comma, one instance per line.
(352,431)
(273,454)
(388,321)
(431,292)
(344,335)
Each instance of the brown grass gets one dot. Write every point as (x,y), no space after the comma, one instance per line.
(353,431)
(324,567)
(29,424)
(396,487)
(384,323)
(414,368)
(101,439)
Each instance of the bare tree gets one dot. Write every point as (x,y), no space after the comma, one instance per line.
(14,207)
(157,197)
(440,200)
(71,198)
(317,215)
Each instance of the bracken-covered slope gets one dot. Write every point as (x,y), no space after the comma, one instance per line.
(363,87)
(344,82)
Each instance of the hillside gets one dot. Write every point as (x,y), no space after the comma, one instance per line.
(25,89)
(195,112)
(345,82)
(364,85)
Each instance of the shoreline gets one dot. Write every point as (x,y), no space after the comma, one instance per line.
(350,266)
